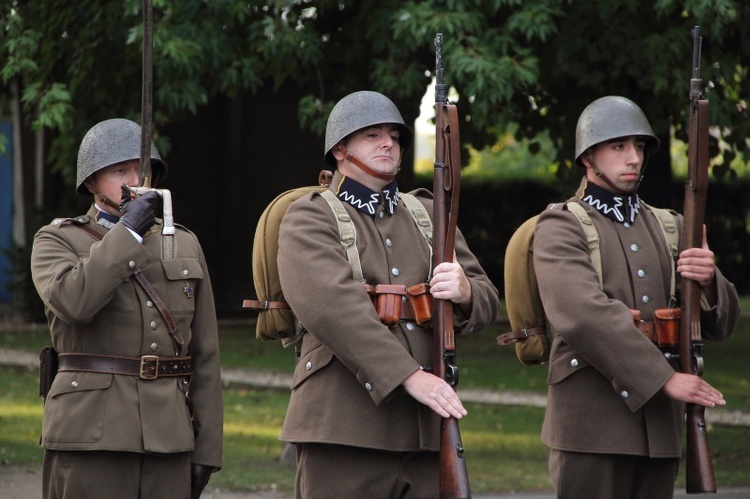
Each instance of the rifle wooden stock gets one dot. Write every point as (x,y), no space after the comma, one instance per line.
(699,467)
(454,478)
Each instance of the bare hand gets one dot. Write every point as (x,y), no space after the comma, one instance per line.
(450,283)
(693,390)
(697,263)
(435,393)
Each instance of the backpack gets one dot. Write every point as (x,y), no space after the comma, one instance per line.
(276,320)
(524,306)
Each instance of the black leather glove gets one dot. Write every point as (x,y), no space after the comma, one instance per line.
(199,475)
(138,215)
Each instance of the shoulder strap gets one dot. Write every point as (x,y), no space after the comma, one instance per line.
(421,220)
(592,236)
(347,233)
(668,226)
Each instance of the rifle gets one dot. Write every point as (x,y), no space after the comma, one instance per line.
(699,468)
(454,479)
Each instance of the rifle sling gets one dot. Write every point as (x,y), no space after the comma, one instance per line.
(151,292)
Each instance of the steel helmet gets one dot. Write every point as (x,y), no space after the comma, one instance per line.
(609,118)
(360,110)
(111,142)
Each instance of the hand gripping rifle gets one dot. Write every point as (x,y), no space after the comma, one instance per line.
(454,479)
(699,468)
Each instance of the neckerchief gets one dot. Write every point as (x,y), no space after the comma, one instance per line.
(365,199)
(617,207)
(105,219)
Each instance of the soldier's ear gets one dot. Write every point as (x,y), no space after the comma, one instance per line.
(338,152)
(586,159)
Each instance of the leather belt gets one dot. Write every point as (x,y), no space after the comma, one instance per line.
(648,329)
(145,367)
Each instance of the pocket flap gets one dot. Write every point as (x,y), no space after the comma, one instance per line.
(182,268)
(310,363)
(67,382)
(564,365)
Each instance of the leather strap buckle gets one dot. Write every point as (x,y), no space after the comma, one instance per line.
(146,371)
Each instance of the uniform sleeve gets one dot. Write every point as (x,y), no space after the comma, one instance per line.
(75,289)
(205,385)
(599,328)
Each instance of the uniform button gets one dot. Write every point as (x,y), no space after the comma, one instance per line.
(308,366)
(395,271)
(410,326)
(154,347)
(646,298)
(389,243)
(368,387)
(381,215)
(149,304)
(624,394)
(641,273)
(633,247)
(185,272)
(82,220)
(131,265)
(74,384)
(626,225)
(574,363)
(153,324)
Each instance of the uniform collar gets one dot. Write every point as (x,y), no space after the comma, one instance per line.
(620,208)
(102,218)
(365,199)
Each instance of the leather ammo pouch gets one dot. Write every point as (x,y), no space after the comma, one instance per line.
(667,325)
(421,302)
(47,370)
(388,300)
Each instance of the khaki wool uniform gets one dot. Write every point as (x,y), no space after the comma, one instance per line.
(605,376)
(346,387)
(94,306)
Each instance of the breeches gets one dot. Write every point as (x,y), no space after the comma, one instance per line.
(325,471)
(114,475)
(578,475)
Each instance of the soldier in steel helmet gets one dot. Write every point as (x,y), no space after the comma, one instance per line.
(365,408)
(615,402)
(135,409)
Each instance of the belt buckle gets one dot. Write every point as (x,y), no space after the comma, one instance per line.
(142,370)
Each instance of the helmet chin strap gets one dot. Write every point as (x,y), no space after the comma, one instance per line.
(612,185)
(360,164)
(102,198)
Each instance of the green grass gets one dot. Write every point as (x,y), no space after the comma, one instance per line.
(504,452)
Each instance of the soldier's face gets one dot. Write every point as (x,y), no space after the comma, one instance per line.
(377,146)
(107,181)
(620,160)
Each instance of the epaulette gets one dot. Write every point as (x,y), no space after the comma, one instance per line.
(83,219)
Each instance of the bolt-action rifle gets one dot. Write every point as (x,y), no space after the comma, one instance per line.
(699,468)
(454,479)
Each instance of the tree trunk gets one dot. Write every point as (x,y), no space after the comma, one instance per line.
(19,207)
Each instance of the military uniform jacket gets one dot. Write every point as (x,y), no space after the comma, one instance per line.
(346,387)
(605,377)
(94,306)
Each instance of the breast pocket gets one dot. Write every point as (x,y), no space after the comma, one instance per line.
(184,276)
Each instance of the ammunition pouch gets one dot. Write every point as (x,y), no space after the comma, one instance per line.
(394,302)
(664,331)
(667,321)
(421,302)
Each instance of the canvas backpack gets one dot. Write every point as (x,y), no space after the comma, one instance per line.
(530,333)
(276,320)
